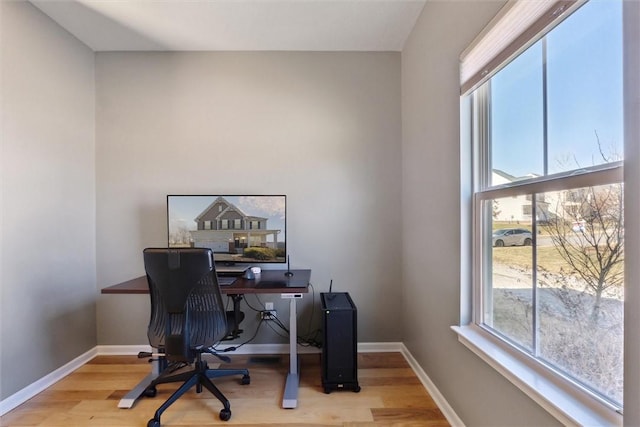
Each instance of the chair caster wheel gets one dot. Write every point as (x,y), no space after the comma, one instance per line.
(150,392)
(153,423)
(327,390)
(225,415)
(357,389)
(246,379)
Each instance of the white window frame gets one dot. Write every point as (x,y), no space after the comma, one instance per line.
(593,409)
(559,395)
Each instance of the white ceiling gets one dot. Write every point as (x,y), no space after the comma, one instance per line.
(303,25)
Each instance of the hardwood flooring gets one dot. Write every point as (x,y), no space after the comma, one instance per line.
(391,396)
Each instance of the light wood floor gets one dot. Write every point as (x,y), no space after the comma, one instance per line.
(391,395)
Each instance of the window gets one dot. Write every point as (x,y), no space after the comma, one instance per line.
(548,250)
(224,224)
(237,224)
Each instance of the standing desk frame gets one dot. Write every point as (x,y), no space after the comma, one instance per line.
(289,287)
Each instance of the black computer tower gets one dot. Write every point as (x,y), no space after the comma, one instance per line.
(340,345)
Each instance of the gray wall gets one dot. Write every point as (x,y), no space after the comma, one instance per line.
(431,236)
(322,128)
(47,255)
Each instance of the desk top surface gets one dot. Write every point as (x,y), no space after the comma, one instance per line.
(267,282)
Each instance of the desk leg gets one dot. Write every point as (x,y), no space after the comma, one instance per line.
(290,399)
(235,333)
(130,398)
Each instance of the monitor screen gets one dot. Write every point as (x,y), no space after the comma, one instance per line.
(239,229)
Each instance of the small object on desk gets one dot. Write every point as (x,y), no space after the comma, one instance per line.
(251,272)
(248,274)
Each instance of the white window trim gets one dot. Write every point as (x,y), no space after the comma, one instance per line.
(556,394)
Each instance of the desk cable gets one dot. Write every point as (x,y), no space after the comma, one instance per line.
(309,339)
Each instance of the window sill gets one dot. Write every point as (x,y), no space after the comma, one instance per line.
(563,400)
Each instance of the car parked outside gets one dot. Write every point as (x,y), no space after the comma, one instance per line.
(512,237)
(578,226)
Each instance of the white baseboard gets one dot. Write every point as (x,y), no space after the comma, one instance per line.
(437,397)
(380,347)
(112,350)
(43,383)
(130,350)
(122,350)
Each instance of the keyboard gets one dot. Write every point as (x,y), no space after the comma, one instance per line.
(226,280)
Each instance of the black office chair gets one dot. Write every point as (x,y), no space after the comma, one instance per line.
(187,319)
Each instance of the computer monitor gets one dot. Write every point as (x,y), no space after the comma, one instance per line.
(239,229)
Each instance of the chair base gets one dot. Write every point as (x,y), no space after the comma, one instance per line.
(200,377)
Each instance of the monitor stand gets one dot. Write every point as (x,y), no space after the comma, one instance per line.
(225,269)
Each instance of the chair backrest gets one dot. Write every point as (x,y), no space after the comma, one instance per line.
(187,312)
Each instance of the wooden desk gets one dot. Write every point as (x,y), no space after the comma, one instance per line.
(277,282)
(268,282)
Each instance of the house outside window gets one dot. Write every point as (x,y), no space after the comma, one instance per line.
(551,120)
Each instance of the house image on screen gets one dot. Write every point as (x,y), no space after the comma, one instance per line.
(225,229)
